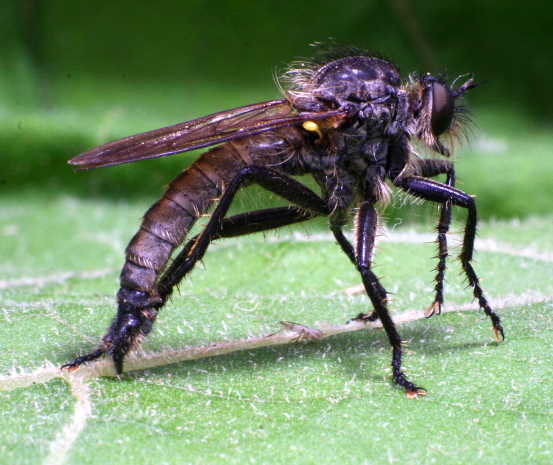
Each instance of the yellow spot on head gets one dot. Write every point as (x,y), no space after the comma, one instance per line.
(312,127)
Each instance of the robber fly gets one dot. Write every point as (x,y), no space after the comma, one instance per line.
(348,121)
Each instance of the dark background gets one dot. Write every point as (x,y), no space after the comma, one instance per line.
(77,74)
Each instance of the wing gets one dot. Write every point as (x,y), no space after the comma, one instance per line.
(202,132)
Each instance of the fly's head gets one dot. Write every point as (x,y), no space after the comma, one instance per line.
(434,110)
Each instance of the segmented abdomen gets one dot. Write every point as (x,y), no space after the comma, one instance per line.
(166,224)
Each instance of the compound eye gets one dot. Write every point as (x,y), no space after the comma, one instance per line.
(442,108)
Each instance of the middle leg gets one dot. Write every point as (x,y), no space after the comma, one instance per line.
(366,231)
(336,223)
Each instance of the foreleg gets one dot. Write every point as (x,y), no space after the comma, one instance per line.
(430,168)
(437,192)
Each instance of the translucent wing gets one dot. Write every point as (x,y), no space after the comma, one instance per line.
(202,132)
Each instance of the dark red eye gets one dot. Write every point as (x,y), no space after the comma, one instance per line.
(442,108)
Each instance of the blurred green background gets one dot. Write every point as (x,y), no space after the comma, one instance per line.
(76,74)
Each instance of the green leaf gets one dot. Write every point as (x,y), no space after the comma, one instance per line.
(326,402)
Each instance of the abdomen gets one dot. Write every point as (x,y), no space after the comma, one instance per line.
(166,224)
